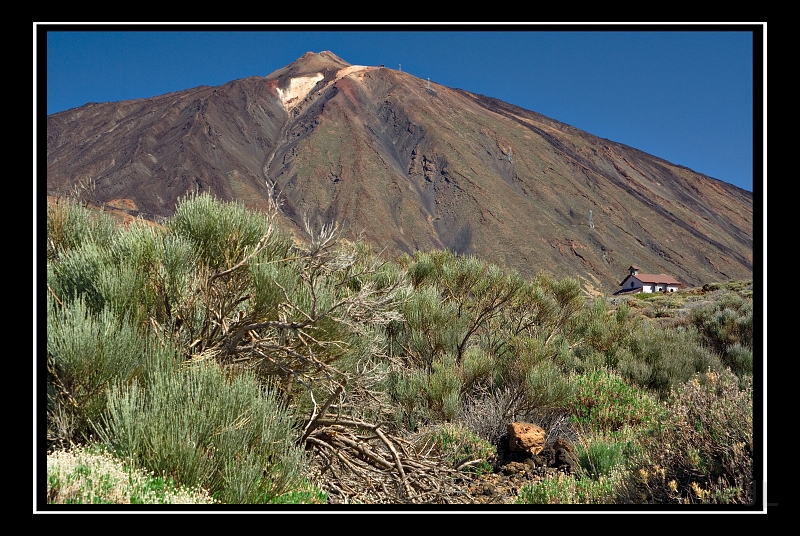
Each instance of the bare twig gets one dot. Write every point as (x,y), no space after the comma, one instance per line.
(313,422)
(396,459)
(54,295)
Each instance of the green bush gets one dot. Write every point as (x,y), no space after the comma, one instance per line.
(739,358)
(605,330)
(662,359)
(421,396)
(474,329)
(440,395)
(604,402)
(70,225)
(130,277)
(86,353)
(472,292)
(272,282)
(478,369)
(444,388)
(727,327)
(139,273)
(74,276)
(405,391)
(546,386)
(222,233)
(430,329)
(601,457)
(202,427)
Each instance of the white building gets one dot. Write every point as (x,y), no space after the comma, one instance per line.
(638,282)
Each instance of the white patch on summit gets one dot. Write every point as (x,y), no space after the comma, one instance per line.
(298,89)
(301,86)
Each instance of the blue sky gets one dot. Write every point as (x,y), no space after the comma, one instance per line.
(682,93)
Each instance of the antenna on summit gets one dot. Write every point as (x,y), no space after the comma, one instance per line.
(430,90)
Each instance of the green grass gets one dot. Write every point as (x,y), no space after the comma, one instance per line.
(306,494)
(571,489)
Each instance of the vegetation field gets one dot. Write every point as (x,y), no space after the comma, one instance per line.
(214,360)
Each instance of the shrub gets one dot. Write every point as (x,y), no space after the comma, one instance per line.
(431,328)
(472,292)
(86,353)
(201,427)
(474,329)
(546,386)
(220,232)
(702,452)
(421,396)
(604,402)
(604,330)
(75,274)
(224,283)
(140,273)
(478,369)
(70,225)
(727,326)
(662,359)
(443,388)
(601,456)
(739,358)
(130,279)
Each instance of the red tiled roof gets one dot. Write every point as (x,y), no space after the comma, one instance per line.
(654,278)
(657,278)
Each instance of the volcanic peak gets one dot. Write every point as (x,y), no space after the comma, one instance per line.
(295,81)
(309,64)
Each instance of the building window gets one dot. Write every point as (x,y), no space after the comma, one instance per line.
(631,283)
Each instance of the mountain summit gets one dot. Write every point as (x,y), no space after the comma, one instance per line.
(410,165)
(310,64)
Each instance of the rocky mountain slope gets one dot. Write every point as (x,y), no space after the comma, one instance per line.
(410,165)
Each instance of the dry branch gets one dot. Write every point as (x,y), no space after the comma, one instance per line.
(380,468)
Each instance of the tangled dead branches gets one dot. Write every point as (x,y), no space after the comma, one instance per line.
(356,462)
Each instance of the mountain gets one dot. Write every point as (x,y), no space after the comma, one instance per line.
(410,165)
